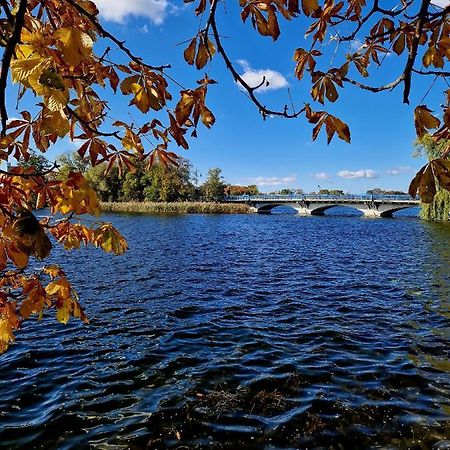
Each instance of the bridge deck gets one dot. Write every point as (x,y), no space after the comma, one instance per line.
(391,199)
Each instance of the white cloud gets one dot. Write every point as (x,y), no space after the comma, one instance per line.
(322,176)
(117,10)
(355,44)
(254,77)
(399,170)
(273,181)
(441,3)
(363,173)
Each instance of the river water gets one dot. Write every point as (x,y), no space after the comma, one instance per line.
(245,331)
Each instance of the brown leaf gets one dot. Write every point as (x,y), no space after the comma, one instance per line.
(427,186)
(309,6)
(414,185)
(189,53)
(424,120)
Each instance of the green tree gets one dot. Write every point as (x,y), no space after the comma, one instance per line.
(71,162)
(439,208)
(108,186)
(213,188)
(38,162)
(159,183)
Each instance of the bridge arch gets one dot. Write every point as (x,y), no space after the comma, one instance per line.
(267,208)
(319,210)
(389,211)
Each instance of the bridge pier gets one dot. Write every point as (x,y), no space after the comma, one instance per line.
(371,213)
(303,211)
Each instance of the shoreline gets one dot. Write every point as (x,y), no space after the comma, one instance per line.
(175,207)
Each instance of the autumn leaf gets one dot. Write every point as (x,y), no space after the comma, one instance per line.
(305,59)
(30,235)
(425,183)
(309,6)
(110,240)
(75,45)
(324,87)
(6,334)
(424,120)
(189,53)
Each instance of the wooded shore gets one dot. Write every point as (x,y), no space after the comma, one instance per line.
(176,207)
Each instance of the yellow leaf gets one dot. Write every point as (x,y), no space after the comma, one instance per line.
(56,100)
(6,334)
(110,240)
(125,86)
(21,69)
(53,287)
(75,45)
(55,122)
(52,270)
(63,315)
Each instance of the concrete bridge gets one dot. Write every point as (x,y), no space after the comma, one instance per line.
(369,205)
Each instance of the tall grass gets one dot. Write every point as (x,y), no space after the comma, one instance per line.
(176,207)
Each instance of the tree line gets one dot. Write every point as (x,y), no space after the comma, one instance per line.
(158,183)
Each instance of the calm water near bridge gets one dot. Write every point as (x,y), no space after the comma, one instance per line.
(251,332)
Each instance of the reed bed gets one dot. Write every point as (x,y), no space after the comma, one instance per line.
(176,207)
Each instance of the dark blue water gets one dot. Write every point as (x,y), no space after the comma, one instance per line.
(244,332)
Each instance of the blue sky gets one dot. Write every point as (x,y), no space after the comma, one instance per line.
(275,153)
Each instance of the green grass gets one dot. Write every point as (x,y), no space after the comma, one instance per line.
(176,207)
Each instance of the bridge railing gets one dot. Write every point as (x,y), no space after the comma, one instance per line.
(305,197)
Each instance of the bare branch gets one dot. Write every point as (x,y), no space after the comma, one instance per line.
(386,87)
(431,72)
(6,60)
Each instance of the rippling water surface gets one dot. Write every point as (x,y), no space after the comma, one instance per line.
(244,332)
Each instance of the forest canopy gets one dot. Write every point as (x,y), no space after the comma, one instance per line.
(63,59)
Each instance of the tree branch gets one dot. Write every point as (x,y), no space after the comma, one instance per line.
(386,87)
(106,34)
(413,51)
(6,61)
(87,125)
(5,6)
(250,90)
(32,174)
(431,72)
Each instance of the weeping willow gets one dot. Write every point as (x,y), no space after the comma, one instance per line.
(439,209)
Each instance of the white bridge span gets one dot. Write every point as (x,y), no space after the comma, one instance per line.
(369,205)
